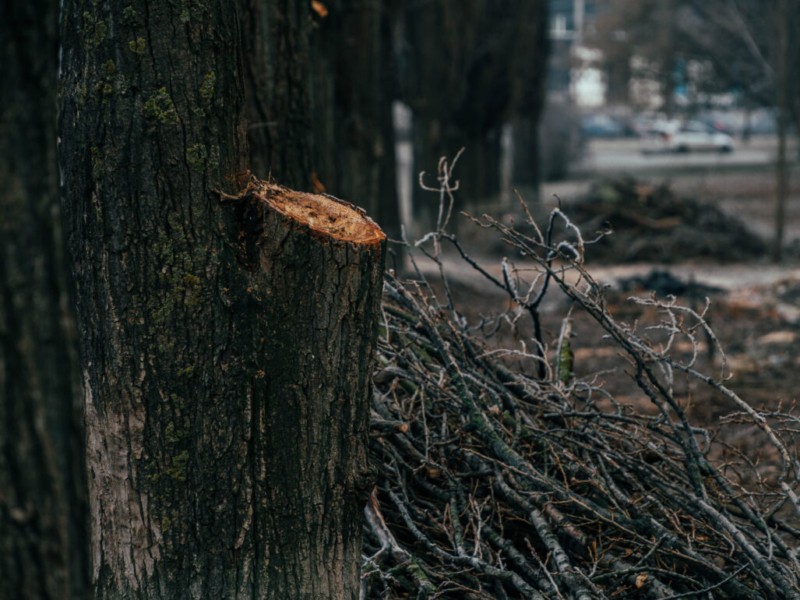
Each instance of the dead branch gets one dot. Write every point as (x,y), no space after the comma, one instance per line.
(507,481)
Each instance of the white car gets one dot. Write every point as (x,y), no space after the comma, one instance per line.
(692,136)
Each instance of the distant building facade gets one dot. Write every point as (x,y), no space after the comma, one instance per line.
(574,74)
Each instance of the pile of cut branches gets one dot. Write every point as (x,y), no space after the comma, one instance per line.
(502,475)
(653,223)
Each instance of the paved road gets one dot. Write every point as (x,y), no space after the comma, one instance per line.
(710,174)
(605,157)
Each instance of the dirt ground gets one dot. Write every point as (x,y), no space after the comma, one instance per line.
(754,304)
(756,313)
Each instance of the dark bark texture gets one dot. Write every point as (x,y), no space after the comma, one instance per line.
(352,108)
(43,517)
(323,124)
(276,38)
(316,295)
(529,72)
(225,381)
(467,67)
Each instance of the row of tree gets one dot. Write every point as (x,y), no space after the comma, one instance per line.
(735,45)
(747,46)
(465,69)
(190,378)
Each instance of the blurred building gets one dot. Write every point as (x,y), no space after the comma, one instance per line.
(574,74)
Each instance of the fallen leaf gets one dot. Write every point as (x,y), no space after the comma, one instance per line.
(319,8)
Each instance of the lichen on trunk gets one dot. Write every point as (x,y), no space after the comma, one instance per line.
(226,346)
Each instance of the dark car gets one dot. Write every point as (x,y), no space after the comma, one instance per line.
(602,126)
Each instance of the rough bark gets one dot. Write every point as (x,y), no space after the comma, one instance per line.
(351,78)
(225,378)
(43,524)
(311,412)
(461,69)
(276,37)
(325,123)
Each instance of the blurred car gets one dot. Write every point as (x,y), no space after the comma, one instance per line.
(645,122)
(692,136)
(601,126)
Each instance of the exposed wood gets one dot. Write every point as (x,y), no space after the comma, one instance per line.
(324,215)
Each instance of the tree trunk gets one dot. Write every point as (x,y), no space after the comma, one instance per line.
(227,346)
(311,414)
(666,39)
(278,99)
(389,213)
(43,504)
(782,18)
(352,108)
(467,70)
(526,170)
(432,138)
(322,124)
(530,68)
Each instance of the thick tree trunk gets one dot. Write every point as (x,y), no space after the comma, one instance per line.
(486,71)
(526,170)
(226,346)
(432,138)
(530,69)
(352,106)
(278,97)
(43,510)
(324,258)
(322,124)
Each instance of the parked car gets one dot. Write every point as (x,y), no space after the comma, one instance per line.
(644,123)
(692,136)
(602,126)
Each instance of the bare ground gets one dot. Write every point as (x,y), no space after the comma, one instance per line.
(755,314)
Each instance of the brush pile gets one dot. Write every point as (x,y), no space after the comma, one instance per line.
(502,475)
(653,224)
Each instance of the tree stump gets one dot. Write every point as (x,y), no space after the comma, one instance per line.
(318,277)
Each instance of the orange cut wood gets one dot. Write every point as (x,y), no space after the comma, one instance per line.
(323,214)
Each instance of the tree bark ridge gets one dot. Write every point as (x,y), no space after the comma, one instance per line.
(211,383)
(318,280)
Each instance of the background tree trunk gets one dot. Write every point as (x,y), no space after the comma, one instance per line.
(276,38)
(325,123)
(529,69)
(467,68)
(226,351)
(43,516)
(782,19)
(352,108)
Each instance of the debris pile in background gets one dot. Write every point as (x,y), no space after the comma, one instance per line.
(651,223)
(663,283)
